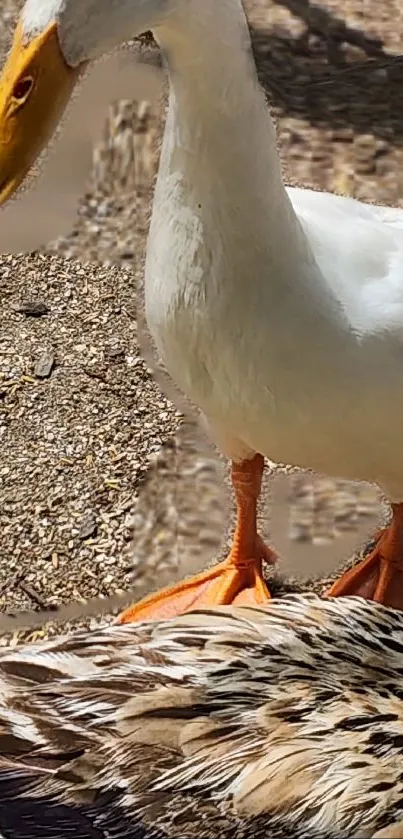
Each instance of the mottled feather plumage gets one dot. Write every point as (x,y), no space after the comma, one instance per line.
(238,722)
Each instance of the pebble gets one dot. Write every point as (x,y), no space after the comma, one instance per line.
(44,365)
(88,526)
(32,308)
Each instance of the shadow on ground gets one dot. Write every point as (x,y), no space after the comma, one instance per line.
(329,89)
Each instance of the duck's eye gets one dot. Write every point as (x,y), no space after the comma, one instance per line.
(22,88)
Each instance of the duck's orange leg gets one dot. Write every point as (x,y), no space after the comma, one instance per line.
(238,579)
(379,576)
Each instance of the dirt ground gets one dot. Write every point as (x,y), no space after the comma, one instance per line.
(99,482)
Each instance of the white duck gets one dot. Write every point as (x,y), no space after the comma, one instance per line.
(278,311)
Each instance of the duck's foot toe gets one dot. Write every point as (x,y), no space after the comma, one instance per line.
(378,577)
(227,583)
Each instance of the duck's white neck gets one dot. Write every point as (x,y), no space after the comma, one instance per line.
(219,135)
(208,52)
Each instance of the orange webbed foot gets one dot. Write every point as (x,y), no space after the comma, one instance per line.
(379,576)
(237,582)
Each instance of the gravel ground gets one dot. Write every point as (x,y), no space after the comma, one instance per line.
(97,477)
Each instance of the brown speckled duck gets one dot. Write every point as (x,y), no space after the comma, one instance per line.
(239,722)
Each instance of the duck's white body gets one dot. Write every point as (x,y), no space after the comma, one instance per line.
(278,311)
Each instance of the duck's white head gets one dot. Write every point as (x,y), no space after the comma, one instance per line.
(53,42)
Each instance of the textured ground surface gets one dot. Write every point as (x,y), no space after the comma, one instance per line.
(82,419)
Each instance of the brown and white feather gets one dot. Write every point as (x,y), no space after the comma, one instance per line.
(237,722)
